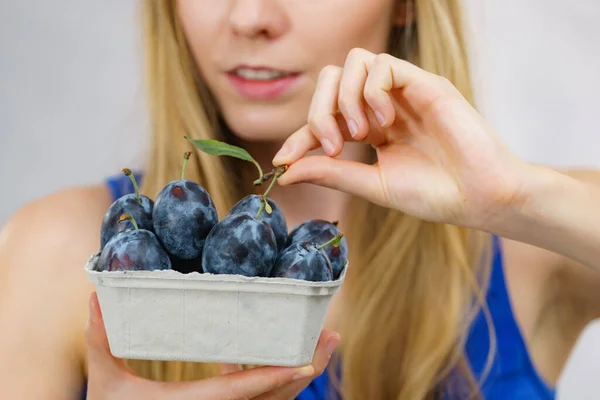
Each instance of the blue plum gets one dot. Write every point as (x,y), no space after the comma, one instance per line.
(183,215)
(133,250)
(320,231)
(303,261)
(252,203)
(138,206)
(240,245)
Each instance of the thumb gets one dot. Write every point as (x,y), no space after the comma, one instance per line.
(352,177)
(101,363)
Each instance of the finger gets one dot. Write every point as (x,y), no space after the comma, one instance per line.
(297,145)
(229,368)
(348,176)
(350,98)
(387,73)
(328,342)
(102,365)
(303,140)
(246,384)
(323,107)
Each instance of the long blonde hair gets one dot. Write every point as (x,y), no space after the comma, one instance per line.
(414,286)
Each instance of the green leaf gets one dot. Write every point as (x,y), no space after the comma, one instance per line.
(217,148)
(268,208)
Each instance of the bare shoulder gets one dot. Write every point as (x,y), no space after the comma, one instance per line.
(44,290)
(63,224)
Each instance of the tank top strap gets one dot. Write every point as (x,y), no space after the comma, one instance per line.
(120,185)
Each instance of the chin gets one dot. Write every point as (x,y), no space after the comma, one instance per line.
(254,125)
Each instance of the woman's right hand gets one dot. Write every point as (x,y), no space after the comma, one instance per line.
(110,378)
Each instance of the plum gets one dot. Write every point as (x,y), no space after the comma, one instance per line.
(254,203)
(240,244)
(133,250)
(306,261)
(183,216)
(321,231)
(138,206)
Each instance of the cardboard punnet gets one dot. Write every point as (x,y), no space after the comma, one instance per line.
(167,315)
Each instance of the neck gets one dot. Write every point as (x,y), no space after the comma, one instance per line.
(306,201)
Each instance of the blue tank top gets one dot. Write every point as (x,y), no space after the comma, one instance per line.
(512,374)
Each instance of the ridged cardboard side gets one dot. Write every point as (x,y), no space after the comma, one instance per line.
(166,315)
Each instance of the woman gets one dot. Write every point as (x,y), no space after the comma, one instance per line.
(435,303)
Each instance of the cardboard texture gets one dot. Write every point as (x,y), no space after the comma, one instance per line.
(166,315)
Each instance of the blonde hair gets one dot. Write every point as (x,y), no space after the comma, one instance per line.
(414,286)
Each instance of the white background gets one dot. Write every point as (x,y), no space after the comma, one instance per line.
(72,111)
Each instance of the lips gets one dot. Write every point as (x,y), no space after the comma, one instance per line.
(262,82)
(262,74)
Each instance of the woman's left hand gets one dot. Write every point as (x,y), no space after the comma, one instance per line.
(437,158)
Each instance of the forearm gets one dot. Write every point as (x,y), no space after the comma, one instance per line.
(558,213)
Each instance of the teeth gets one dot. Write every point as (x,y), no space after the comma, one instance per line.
(260,74)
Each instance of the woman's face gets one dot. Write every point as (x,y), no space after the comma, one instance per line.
(261,58)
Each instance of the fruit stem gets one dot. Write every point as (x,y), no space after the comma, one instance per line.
(128,217)
(260,171)
(266,193)
(128,173)
(264,178)
(262,206)
(277,172)
(186,157)
(335,241)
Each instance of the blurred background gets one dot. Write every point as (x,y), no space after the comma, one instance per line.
(72,101)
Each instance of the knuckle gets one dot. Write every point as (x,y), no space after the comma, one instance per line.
(439,106)
(347,100)
(320,367)
(329,71)
(383,59)
(357,53)
(370,94)
(443,81)
(316,122)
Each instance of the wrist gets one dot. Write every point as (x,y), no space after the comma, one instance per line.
(539,203)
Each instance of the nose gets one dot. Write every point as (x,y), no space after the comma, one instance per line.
(258,19)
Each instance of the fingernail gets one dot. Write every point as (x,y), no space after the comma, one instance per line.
(353,128)
(332,345)
(380,118)
(303,372)
(281,154)
(328,146)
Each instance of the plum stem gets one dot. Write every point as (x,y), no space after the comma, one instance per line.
(128,173)
(129,217)
(335,241)
(263,201)
(264,178)
(277,172)
(186,157)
